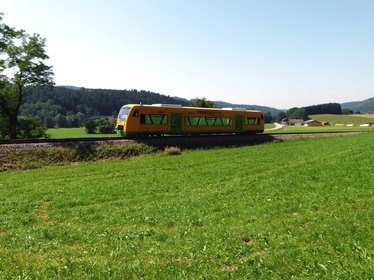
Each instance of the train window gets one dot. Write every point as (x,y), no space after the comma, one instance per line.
(218,121)
(210,121)
(136,113)
(202,121)
(122,115)
(252,121)
(227,121)
(192,120)
(153,119)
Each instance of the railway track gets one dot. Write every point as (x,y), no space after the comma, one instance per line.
(195,141)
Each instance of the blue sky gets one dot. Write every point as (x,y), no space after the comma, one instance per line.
(270,52)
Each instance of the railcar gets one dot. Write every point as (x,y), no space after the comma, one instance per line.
(160,119)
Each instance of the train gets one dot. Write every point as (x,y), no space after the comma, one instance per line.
(138,120)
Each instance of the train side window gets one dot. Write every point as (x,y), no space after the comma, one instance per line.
(211,121)
(218,121)
(252,121)
(153,119)
(202,121)
(136,113)
(159,119)
(227,121)
(192,120)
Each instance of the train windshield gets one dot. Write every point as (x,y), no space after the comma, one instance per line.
(123,113)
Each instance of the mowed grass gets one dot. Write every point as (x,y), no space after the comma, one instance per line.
(76,132)
(311,129)
(344,119)
(299,209)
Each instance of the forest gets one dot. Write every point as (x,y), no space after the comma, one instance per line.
(72,106)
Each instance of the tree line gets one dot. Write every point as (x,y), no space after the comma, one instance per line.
(71,107)
(304,112)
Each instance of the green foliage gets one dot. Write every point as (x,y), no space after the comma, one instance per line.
(21,65)
(296,113)
(328,108)
(347,111)
(203,102)
(29,127)
(90,126)
(302,113)
(216,214)
(103,126)
(281,115)
(268,117)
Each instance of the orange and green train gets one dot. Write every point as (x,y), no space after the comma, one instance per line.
(158,119)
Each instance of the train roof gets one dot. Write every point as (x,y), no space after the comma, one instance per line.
(187,107)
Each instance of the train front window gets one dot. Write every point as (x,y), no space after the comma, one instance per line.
(123,113)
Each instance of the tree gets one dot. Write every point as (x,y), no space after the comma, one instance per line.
(268,117)
(29,127)
(281,115)
(347,111)
(90,126)
(203,102)
(21,65)
(296,113)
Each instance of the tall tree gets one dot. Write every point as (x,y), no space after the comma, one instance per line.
(21,65)
(203,102)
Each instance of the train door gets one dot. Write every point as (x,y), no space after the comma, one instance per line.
(176,123)
(238,123)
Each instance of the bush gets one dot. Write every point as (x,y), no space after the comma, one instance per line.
(99,126)
(29,127)
(172,151)
(90,126)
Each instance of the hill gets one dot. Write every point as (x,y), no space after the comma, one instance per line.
(365,106)
(264,109)
(343,119)
(69,106)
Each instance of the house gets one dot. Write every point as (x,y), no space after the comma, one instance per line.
(296,122)
(312,123)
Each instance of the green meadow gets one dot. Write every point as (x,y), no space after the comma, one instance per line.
(298,209)
(317,129)
(344,119)
(75,132)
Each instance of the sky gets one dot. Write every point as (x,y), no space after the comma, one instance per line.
(276,53)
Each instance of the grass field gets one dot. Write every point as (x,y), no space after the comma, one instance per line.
(329,128)
(299,209)
(76,132)
(344,119)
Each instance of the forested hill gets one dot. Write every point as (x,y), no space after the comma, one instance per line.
(68,106)
(365,106)
(95,101)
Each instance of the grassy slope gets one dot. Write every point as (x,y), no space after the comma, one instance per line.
(76,132)
(301,208)
(343,119)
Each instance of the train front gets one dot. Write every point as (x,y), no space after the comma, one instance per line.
(122,120)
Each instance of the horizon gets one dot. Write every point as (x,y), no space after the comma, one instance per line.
(275,54)
(178,97)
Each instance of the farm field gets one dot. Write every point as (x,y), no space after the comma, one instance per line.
(75,132)
(344,119)
(329,128)
(301,208)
